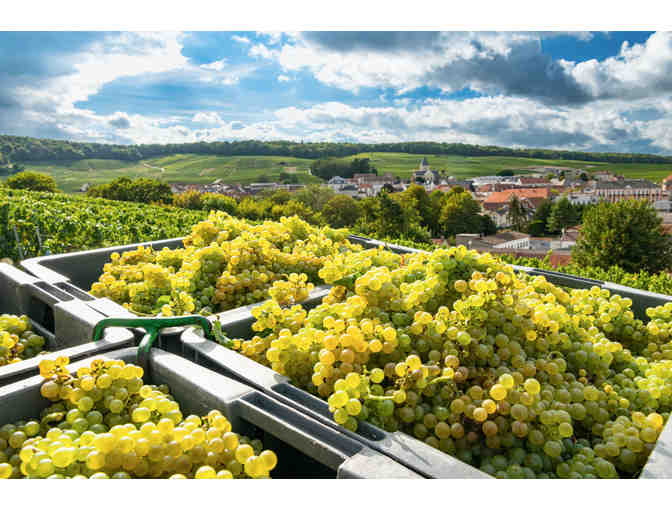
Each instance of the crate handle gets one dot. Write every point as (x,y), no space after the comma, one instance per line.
(152,326)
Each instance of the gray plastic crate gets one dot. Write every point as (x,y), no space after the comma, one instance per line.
(305,447)
(74,273)
(65,323)
(414,454)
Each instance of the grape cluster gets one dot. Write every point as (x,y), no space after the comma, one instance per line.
(106,423)
(226,262)
(17,341)
(505,371)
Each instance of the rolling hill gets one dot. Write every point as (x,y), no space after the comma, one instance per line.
(201,169)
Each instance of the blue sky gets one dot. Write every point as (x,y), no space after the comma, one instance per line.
(605,91)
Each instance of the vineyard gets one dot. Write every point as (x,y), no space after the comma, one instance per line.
(33,224)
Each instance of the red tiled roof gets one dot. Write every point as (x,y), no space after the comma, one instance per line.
(499,197)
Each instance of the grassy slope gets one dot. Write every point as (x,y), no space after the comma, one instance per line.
(194,168)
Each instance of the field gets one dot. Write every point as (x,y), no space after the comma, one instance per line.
(200,169)
(186,168)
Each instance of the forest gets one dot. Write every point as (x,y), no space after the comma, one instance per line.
(18,149)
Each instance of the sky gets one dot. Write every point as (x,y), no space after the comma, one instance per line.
(597,91)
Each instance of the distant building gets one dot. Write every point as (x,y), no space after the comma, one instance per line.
(336,183)
(534,196)
(581,198)
(532,182)
(623,189)
(604,176)
(667,183)
(662,205)
(518,244)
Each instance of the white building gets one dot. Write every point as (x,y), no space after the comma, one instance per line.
(581,198)
(336,183)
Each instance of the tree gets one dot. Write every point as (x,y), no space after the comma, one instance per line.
(537,226)
(288,178)
(584,177)
(505,173)
(190,199)
(460,214)
(517,214)
(563,215)
(628,234)
(33,181)
(142,189)
(488,226)
(219,202)
(315,196)
(429,215)
(341,211)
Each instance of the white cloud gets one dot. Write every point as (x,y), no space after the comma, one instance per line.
(283,77)
(118,56)
(211,118)
(261,50)
(241,40)
(639,70)
(217,65)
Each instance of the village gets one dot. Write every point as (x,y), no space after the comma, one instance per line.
(494,194)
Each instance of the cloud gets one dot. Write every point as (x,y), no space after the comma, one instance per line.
(241,40)
(211,118)
(283,77)
(638,71)
(492,63)
(121,121)
(217,65)
(60,69)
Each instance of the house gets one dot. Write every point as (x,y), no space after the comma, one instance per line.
(604,176)
(349,189)
(517,244)
(667,183)
(533,196)
(532,182)
(501,240)
(581,198)
(662,205)
(336,182)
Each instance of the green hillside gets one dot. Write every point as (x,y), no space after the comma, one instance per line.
(201,169)
(185,168)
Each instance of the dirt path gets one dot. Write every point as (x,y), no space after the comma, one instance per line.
(154,167)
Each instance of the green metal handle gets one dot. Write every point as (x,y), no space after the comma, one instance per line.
(152,325)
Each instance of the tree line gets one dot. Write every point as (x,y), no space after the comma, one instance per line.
(27,149)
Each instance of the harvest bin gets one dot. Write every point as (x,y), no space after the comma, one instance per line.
(65,323)
(414,454)
(305,448)
(74,273)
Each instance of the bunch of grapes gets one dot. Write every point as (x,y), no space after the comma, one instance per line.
(104,422)
(226,262)
(17,341)
(507,372)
